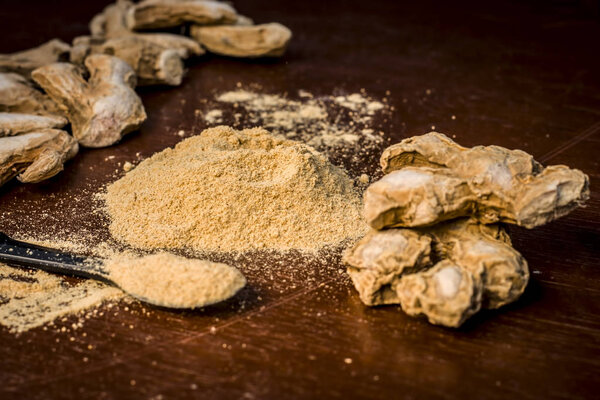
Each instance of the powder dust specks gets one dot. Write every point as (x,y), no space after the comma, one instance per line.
(29,299)
(335,125)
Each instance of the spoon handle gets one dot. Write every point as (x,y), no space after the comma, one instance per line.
(24,254)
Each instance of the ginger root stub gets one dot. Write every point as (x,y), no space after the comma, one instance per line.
(265,40)
(102,109)
(36,155)
(23,62)
(17,95)
(430,179)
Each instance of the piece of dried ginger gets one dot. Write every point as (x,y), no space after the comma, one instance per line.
(156,58)
(447,272)
(36,155)
(24,62)
(18,95)
(430,179)
(103,108)
(265,40)
(152,14)
(12,124)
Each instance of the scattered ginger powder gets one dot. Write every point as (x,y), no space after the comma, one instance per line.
(228,190)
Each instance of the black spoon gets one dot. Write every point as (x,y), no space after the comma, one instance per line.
(14,252)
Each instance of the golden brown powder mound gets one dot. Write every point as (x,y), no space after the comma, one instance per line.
(173,281)
(228,190)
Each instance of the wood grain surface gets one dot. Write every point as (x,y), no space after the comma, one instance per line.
(517,74)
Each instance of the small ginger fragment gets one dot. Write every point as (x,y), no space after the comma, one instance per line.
(157,58)
(18,95)
(35,156)
(24,62)
(430,179)
(242,20)
(476,247)
(446,272)
(380,258)
(12,124)
(102,109)
(111,22)
(265,40)
(446,294)
(152,14)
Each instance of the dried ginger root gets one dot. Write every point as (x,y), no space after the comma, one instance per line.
(430,179)
(152,14)
(101,110)
(446,272)
(116,19)
(378,260)
(111,22)
(18,95)
(35,156)
(24,62)
(475,246)
(446,294)
(157,58)
(12,124)
(266,40)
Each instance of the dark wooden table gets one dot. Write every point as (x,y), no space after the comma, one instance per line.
(518,75)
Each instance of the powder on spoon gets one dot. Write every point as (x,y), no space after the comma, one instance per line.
(228,190)
(172,281)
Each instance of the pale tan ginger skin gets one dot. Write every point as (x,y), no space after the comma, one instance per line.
(12,124)
(24,62)
(430,179)
(171,281)
(242,20)
(35,156)
(101,110)
(228,190)
(380,258)
(475,246)
(477,267)
(155,58)
(18,95)
(152,14)
(446,294)
(266,40)
(111,22)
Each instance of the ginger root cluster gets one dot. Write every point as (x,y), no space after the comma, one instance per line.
(438,247)
(57,96)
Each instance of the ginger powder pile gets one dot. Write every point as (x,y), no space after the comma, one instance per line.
(228,190)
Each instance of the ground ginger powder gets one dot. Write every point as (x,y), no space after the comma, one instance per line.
(228,190)
(172,281)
